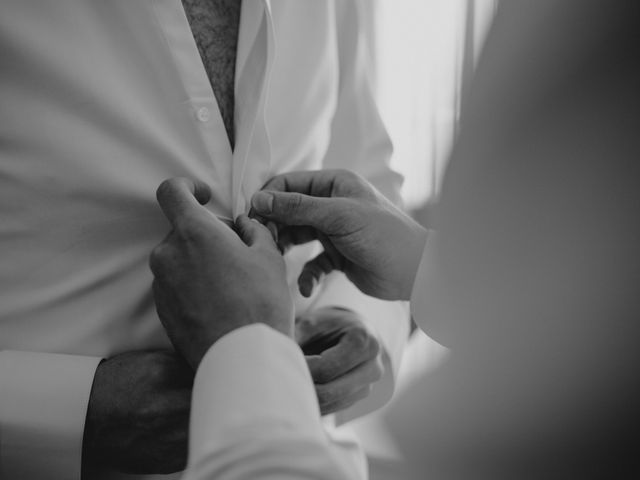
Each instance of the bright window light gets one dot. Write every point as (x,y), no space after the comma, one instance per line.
(421,47)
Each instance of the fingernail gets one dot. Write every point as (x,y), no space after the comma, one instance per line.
(306,284)
(305,289)
(262,202)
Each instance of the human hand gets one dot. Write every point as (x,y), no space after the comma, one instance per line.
(363,234)
(209,280)
(138,414)
(343,356)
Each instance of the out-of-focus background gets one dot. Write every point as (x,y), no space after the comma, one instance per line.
(423,56)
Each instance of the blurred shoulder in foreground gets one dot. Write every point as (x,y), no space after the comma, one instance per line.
(534,282)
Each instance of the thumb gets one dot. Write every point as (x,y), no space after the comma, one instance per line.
(253,232)
(179,197)
(296,209)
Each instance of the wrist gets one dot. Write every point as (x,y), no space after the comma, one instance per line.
(284,322)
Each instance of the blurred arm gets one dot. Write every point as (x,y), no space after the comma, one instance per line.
(533,277)
(255,414)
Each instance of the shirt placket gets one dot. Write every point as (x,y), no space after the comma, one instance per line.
(252,156)
(199,97)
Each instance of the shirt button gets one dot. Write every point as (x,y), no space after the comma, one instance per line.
(203,114)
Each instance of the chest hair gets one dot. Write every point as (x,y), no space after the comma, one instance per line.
(215,24)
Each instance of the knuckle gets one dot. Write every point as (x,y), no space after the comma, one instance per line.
(305,323)
(319,371)
(158,258)
(360,337)
(293,202)
(350,176)
(274,183)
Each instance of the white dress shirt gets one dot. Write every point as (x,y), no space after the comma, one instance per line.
(100,102)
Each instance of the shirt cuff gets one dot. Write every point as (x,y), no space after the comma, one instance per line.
(252,379)
(43,406)
(390,322)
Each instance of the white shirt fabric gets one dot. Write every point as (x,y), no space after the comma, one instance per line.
(100,102)
(264,432)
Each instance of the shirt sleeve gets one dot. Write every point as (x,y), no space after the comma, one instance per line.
(255,414)
(359,138)
(43,404)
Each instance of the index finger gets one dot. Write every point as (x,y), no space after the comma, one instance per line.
(317,183)
(179,197)
(351,350)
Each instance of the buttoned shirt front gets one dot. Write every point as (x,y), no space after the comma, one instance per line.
(102,101)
